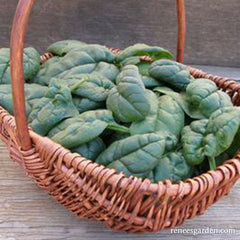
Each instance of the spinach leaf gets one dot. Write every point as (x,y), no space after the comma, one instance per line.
(81,60)
(182,100)
(60,48)
(128,100)
(130,61)
(235,146)
(101,114)
(95,87)
(85,104)
(143,68)
(165,114)
(79,133)
(105,116)
(136,155)
(33,92)
(201,99)
(141,49)
(90,116)
(31,64)
(204,95)
(172,166)
(92,149)
(107,70)
(53,108)
(150,82)
(170,72)
(210,137)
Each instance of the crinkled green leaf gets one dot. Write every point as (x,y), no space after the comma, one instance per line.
(165,115)
(235,146)
(95,88)
(31,64)
(143,67)
(210,137)
(78,61)
(148,81)
(136,155)
(107,70)
(141,49)
(101,114)
(89,116)
(92,149)
(193,141)
(188,108)
(128,100)
(172,166)
(204,95)
(33,92)
(85,104)
(170,72)
(60,48)
(105,116)
(52,109)
(201,99)
(79,133)
(63,125)
(130,61)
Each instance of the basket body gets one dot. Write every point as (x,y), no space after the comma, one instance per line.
(124,204)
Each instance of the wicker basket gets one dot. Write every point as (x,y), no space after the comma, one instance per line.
(98,193)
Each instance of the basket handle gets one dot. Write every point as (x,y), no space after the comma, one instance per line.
(18,34)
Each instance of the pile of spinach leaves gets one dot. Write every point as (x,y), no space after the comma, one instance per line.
(150,119)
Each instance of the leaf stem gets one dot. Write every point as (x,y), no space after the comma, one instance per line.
(212,163)
(78,84)
(118,128)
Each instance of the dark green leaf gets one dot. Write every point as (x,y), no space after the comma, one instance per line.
(33,92)
(60,48)
(85,104)
(170,72)
(210,137)
(52,109)
(90,150)
(78,61)
(165,115)
(79,133)
(31,64)
(128,100)
(95,88)
(89,116)
(172,166)
(136,155)
(141,49)
(107,70)
(201,99)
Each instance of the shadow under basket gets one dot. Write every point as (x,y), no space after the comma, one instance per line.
(99,193)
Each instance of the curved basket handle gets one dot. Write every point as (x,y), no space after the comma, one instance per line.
(181,15)
(19,27)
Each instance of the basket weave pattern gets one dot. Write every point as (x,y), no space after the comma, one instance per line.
(126,204)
